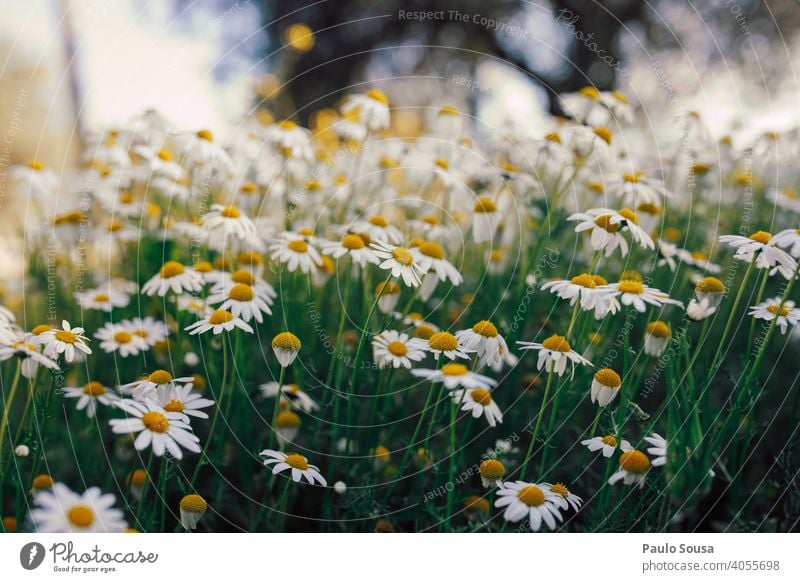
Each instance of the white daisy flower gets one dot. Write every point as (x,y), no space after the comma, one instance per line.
(700,310)
(207,157)
(173,276)
(286,346)
(710,289)
(656,338)
(163,430)
(763,249)
(444,342)
(785,312)
(36,179)
(586,288)
(65,341)
(486,341)
(89,395)
(149,329)
(372,107)
(400,261)
(378,228)
(393,349)
(554,354)
(60,510)
(119,338)
(292,140)
(147,387)
(352,245)
(192,508)
(788,239)
(241,300)
(479,402)
(291,395)
(388,293)
(492,471)
(605,386)
(222,222)
(567,498)
(454,376)
(181,399)
(633,467)
(658,450)
(23,347)
(636,188)
(430,257)
(102,299)
(529,500)
(634,293)
(605,225)
(295,251)
(485,218)
(607,444)
(217,322)
(298,464)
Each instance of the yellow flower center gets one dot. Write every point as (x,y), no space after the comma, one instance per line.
(552,137)
(298,246)
(424,331)
(560,489)
(481,396)
(94,389)
(761,236)
(590,93)
(531,495)
(492,469)
(634,462)
(80,516)
(36,165)
(454,369)
(484,205)
(397,349)
(430,219)
(710,285)
(101,297)
(387,288)
(164,155)
(774,309)
(485,328)
(220,317)
(402,255)
(442,164)
(629,215)
(629,286)
(608,378)
(66,336)
(194,504)
(251,258)
(296,461)
(378,96)
(476,503)
(353,242)
(604,222)
(230,212)
(160,377)
(243,277)
(286,341)
(241,292)
(287,419)
(122,337)
(205,134)
(171,269)
(658,329)
(603,133)
(431,249)
(557,343)
(610,440)
(449,110)
(649,208)
(41,328)
(203,267)
(138,477)
(174,406)
(633,177)
(379,221)
(155,422)
(584,280)
(443,341)
(42,482)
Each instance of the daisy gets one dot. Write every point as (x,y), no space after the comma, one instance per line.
(65,341)
(23,347)
(60,510)
(658,450)
(391,348)
(291,395)
(173,276)
(444,342)
(89,395)
(149,329)
(242,301)
(430,257)
(633,467)
(487,342)
(700,261)
(711,290)
(292,140)
(485,219)
(119,338)
(567,498)
(554,353)
(480,402)
(784,311)
(102,299)
(492,472)
(605,225)
(159,428)
(192,508)
(352,245)
(36,179)
(287,426)
(636,294)
(378,228)
(181,399)
(455,376)
(585,287)
(150,385)
(607,444)
(372,107)
(789,239)
(586,106)
(400,261)
(300,468)
(605,386)
(217,322)
(637,188)
(388,293)
(204,154)
(700,310)
(286,346)
(294,252)
(760,243)
(222,222)
(656,338)
(536,502)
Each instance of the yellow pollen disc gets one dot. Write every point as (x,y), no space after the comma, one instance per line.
(449,110)
(484,205)
(41,328)
(431,249)
(203,267)
(160,377)
(194,504)
(629,286)
(286,341)
(619,96)
(94,389)
(492,469)
(222,264)
(430,219)
(454,370)
(248,188)
(604,222)
(397,349)
(379,221)
(485,328)
(243,277)
(415,242)
(328,266)
(476,503)
(698,256)
(220,316)
(80,516)
(230,212)
(313,186)
(141,332)
(443,341)
(761,236)
(382,453)
(114,226)
(584,280)
(481,396)
(42,482)
(649,208)
(402,255)
(174,406)
(296,461)
(596,187)
(251,258)
(138,477)
(630,215)
(205,134)
(155,422)
(631,276)
(560,489)
(171,269)
(287,419)
(610,440)
(164,155)
(442,164)
(633,177)
(241,292)
(298,246)
(552,137)
(710,285)
(36,165)
(608,377)
(496,256)
(101,297)
(531,495)
(774,309)
(353,242)
(378,96)
(658,329)
(634,462)
(66,336)
(603,133)
(590,93)
(424,331)
(387,288)
(557,343)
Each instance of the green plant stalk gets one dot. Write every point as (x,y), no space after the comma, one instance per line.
(759,296)
(4,422)
(539,417)
(729,324)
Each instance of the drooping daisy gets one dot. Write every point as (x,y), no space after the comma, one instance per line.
(479,402)
(391,348)
(182,399)
(534,501)
(241,300)
(568,499)
(605,225)
(636,294)
(217,322)
(89,395)
(119,338)
(444,342)
(175,277)
(400,261)
(554,353)
(291,395)
(294,251)
(102,299)
(658,450)
(587,288)
(607,444)
(298,464)
(65,341)
(605,386)
(430,257)
(61,510)
(389,294)
(286,345)
(148,386)
(163,430)
(656,338)
(633,467)
(353,246)
(492,472)
(761,247)
(785,312)
(455,376)
(192,508)
(711,289)
(485,218)
(487,342)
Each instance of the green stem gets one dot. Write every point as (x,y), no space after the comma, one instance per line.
(535,434)
(4,422)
